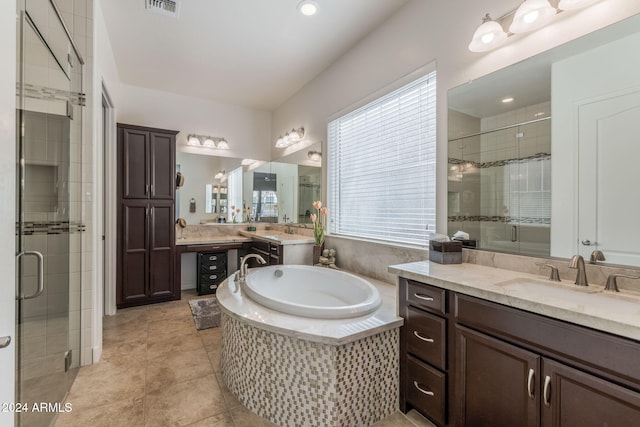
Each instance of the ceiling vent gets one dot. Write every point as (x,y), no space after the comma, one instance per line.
(164,7)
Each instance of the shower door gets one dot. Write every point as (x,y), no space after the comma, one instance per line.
(48,212)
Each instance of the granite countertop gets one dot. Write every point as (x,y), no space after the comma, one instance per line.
(203,240)
(279,237)
(325,331)
(616,313)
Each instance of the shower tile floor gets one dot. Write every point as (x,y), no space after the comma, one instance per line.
(156,369)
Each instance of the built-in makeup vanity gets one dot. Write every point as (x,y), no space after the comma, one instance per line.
(487,346)
(219,248)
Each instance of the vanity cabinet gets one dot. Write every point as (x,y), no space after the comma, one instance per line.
(518,368)
(501,366)
(423,347)
(271,252)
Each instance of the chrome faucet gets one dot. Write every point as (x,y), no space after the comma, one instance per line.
(581,277)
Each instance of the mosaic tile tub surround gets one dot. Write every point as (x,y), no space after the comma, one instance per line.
(293,381)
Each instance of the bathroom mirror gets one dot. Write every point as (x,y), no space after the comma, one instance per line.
(544,173)
(296,182)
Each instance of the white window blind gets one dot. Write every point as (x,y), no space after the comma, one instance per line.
(235,194)
(381,167)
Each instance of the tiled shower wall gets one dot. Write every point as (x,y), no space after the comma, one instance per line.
(78,16)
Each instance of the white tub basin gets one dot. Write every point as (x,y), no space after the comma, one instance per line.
(312,291)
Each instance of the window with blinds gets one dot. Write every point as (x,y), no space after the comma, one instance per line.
(381,167)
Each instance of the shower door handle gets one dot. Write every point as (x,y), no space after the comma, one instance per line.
(40,259)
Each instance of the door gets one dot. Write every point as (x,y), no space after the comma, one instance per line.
(133,257)
(162,168)
(161,244)
(608,130)
(135,163)
(495,382)
(574,398)
(48,211)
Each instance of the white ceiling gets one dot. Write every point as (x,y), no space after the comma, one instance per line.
(254,53)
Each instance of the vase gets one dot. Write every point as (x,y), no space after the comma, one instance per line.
(317,252)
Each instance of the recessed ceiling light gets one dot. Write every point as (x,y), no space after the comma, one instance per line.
(507,100)
(308,7)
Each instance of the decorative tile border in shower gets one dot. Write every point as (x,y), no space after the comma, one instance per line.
(295,382)
(478,165)
(504,219)
(55,227)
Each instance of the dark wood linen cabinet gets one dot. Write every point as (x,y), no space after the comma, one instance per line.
(146,216)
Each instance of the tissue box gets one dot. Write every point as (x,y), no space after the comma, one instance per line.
(445,252)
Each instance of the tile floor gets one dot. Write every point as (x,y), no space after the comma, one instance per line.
(156,369)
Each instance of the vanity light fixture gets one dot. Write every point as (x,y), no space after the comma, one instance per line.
(220,174)
(529,16)
(290,138)
(308,7)
(488,36)
(316,156)
(247,162)
(507,100)
(205,141)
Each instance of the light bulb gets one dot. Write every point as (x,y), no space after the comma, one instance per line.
(308,7)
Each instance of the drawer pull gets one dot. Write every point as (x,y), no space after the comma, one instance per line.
(213,258)
(213,287)
(547,390)
(427,392)
(423,297)
(213,267)
(274,248)
(530,383)
(423,338)
(213,277)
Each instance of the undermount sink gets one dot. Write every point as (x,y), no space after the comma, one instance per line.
(577,296)
(549,287)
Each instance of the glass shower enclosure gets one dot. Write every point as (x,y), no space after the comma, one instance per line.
(48,210)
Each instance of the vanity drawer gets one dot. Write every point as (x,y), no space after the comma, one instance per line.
(427,337)
(426,390)
(260,245)
(209,258)
(213,267)
(213,277)
(425,296)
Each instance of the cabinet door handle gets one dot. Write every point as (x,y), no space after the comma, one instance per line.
(5,341)
(423,297)
(423,338)
(530,380)
(422,390)
(514,233)
(547,391)
(146,189)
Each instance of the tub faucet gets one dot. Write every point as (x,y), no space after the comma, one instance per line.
(581,276)
(244,267)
